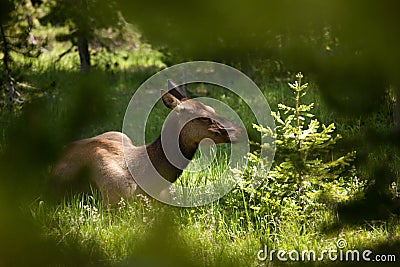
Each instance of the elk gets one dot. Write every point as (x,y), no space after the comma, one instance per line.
(112,164)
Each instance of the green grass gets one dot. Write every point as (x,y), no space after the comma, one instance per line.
(209,235)
(228,232)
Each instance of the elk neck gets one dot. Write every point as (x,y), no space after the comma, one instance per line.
(160,161)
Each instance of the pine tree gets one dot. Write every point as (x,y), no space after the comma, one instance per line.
(15,28)
(306,177)
(84,18)
(304,159)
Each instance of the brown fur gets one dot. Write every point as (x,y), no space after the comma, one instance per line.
(100,161)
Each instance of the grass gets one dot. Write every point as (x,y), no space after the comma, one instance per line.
(143,232)
(207,235)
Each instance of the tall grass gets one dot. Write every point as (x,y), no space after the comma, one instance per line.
(212,235)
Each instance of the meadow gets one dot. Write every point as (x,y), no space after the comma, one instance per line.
(227,232)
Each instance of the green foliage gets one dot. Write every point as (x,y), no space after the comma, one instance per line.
(92,26)
(87,16)
(80,232)
(310,175)
(305,155)
(16,41)
(17,23)
(307,176)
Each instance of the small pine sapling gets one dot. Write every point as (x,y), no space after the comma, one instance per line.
(304,159)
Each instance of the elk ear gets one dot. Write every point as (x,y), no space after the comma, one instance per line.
(170,101)
(176,91)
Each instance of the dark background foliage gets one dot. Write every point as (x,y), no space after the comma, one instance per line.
(349,48)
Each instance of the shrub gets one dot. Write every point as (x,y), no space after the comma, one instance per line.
(306,176)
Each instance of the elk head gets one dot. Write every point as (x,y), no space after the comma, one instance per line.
(198,121)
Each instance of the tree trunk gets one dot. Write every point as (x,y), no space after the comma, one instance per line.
(7,71)
(83,34)
(84,55)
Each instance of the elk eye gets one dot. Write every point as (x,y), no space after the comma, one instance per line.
(205,119)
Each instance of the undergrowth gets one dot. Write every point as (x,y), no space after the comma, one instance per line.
(288,211)
(294,209)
